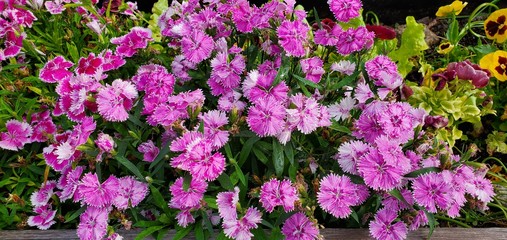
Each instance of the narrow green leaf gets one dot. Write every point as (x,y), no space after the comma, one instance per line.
(147,232)
(207,223)
(278,159)
(422,171)
(431,222)
(159,199)
(163,151)
(240,174)
(289,152)
(397,194)
(198,231)
(247,148)
(186,181)
(228,151)
(259,234)
(181,233)
(75,214)
(260,155)
(307,82)
(336,126)
(128,164)
(225,181)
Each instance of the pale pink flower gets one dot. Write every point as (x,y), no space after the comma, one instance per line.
(55,7)
(278,193)
(266,118)
(344,67)
(114,101)
(240,229)
(68,182)
(226,202)
(130,192)
(93,223)
(97,194)
(341,111)
(18,134)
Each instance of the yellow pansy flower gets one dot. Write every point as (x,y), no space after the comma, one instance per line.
(445,48)
(496,63)
(496,25)
(454,8)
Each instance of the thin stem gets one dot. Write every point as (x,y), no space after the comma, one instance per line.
(452,221)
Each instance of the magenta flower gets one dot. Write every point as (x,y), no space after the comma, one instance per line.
(56,70)
(149,150)
(128,44)
(344,10)
(13,43)
(240,229)
(430,191)
(266,118)
(44,218)
(42,196)
(89,65)
(180,67)
(93,223)
(114,101)
(111,61)
(469,71)
(293,36)
(155,80)
(97,194)
(257,86)
(353,40)
(230,102)
(378,65)
(130,192)
(197,47)
(225,75)
(383,228)
(189,198)
(298,227)
(55,7)
(18,134)
(42,130)
(312,67)
(278,193)
(68,183)
(379,172)
(337,194)
(199,159)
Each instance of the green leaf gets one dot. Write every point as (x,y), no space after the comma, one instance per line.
(412,44)
(431,222)
(307,82)
(278,159)
(453,32)
(259,234)
(289,153)
(146,232)
(336,126)
(240,174)
(422,171)
(260,155)
(225,181)
(283,71)
(207,223)
(159,200)
(74,54)
(186,181)
(75,214)
(397,194)
(198,231)
(181,232)
(246,149)
(128,164)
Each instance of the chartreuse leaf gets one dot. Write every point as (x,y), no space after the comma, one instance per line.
(412,44)
(158,8)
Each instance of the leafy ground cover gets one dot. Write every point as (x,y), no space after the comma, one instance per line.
(225,115)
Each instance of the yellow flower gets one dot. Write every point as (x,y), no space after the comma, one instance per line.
(453,8)
(445,48)
(496,25)
(496,63)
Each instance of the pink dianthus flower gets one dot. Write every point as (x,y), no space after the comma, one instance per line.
(293,36)
(55,70)
(44,218)
(114,101)
(93,223)
(18,134)
(266,118)
(344,10)
(337,194)
(278,193)
(197,47)
(384,228)
(298,227)
(97,194)
(130,192)
(312,67)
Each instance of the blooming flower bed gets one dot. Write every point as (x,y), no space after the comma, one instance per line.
(224,115)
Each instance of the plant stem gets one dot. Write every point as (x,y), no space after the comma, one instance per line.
(453,221)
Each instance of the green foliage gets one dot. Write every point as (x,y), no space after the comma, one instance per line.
(412,45)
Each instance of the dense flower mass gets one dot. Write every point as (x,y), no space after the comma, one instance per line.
(240,117)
